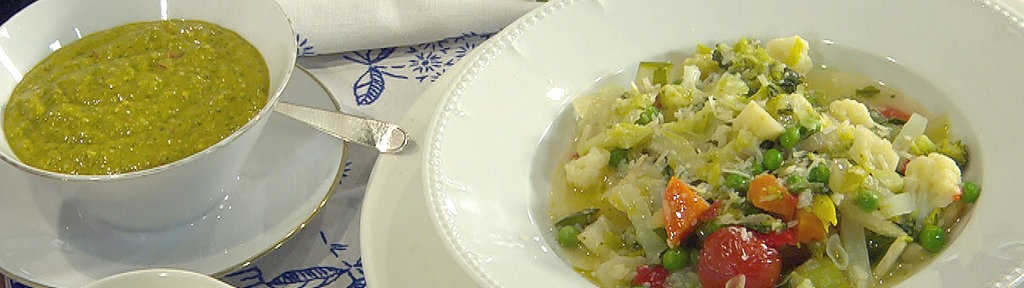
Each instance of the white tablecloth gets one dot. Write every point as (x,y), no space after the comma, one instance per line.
(379,83)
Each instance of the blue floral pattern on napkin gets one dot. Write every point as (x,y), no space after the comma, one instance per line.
(308,277)
(428,62)
(303,46)
(370,86)
(14,284)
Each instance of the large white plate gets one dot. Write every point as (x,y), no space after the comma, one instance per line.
(393,211)
(288,177)
(497,135)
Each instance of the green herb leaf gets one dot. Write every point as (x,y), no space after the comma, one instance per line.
(867,92)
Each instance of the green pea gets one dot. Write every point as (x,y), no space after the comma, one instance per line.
(772,159)
(737,182)
(867,200)
(675,259)
(796,183)
(568,235)
(790,137)
(932,238)
(617,157)
(756,168)
(970,192)
(819,174)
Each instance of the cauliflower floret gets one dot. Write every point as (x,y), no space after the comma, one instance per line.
(851,110)
(792,51)
(586,171)
(935,179)
(873,152)
(753,118)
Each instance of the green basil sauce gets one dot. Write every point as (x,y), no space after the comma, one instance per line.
(134,97)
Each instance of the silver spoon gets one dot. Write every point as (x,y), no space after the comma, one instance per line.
(383,136)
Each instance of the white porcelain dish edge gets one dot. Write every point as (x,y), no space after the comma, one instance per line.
(51,245)
(170,194)
(158,278)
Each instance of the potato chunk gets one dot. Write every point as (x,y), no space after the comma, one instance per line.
(755,119)
(792,51)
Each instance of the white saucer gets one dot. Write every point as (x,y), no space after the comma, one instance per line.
(399,245)
(289,176)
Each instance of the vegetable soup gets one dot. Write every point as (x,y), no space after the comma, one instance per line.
(729,169)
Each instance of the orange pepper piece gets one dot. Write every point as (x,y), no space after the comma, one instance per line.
(809,227)
(767,193)
(681,209)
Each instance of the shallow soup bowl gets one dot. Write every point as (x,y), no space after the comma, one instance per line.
(504,129)
(167,195)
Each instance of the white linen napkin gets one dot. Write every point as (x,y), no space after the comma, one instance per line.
(333,26)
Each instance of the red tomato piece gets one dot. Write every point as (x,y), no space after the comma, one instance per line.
(901,167)
(652,276)
(711,213)
(734,251)
(779,239)
(894,113)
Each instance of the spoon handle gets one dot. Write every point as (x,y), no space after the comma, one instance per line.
(383,136)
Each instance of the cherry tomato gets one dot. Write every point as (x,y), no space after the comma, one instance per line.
(652,276)
(733,251)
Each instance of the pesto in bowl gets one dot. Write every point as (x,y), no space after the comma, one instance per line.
(134,97)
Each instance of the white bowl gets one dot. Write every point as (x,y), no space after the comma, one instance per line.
(158,278)
(505,122)
(167,195)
